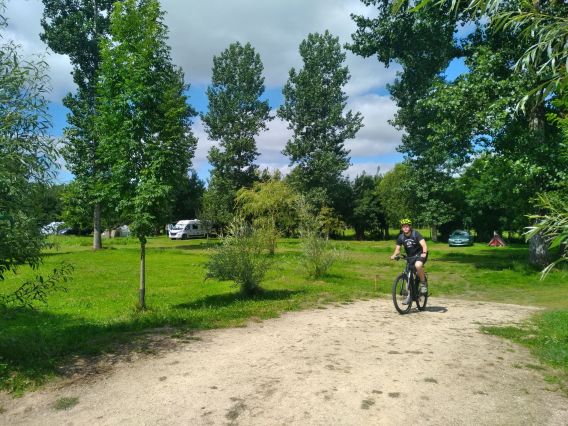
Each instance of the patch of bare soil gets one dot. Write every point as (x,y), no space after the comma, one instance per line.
(354,364)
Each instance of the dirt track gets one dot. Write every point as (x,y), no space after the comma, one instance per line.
(353,364)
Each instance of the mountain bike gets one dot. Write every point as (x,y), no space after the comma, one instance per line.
(407,282)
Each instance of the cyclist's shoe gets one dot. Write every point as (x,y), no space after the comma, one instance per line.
(407,300)
(424,287)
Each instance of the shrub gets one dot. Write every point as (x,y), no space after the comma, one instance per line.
(553,225)
(241,257)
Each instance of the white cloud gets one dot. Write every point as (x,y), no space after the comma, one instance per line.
(203,143)
(271,143)
(369,168)
(284,169)
(24,28)
(367,74)
(275,29)
(377,137)
(62,175)
(198,32)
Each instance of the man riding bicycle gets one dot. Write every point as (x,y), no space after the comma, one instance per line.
(415,246)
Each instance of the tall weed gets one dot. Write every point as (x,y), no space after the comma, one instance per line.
(317,254)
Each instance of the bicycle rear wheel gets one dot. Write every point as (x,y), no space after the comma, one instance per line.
(400,293)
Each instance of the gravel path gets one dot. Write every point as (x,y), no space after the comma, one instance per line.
(354,364)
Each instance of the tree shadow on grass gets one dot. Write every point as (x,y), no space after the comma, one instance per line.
(200,246)
(328,278)
(59,253)
(36,345)
(491,259)
(228,299)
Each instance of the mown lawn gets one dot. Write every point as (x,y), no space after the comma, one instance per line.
(98,312)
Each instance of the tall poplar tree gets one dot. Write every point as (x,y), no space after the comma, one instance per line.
(143,119)
(236,116)
(76,28)
(314,107)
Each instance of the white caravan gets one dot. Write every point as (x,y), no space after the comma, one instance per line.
(186,229)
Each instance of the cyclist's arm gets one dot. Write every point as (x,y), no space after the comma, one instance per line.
(424,247)
(396,252)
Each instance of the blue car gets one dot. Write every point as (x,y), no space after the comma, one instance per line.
(460,238)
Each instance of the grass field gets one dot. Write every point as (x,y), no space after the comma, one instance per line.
(98,312)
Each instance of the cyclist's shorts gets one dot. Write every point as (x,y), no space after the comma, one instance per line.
(421,259)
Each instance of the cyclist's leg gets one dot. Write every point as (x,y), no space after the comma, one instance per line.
(420,270)
(422,275)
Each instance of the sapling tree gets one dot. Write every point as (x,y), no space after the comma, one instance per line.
(143,119)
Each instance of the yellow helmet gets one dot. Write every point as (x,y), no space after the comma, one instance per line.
(405,221)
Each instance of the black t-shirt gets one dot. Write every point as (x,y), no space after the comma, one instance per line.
(411,243)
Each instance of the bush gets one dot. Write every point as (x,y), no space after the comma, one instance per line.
(241,258)
(318,256)
(552,226)
(268,232)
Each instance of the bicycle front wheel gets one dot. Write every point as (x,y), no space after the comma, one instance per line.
(400,292)
(421,300)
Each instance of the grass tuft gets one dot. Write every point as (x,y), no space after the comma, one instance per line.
(65,403)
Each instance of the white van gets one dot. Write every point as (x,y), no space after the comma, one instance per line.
(186,229)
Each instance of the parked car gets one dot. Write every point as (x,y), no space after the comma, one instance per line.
(460,238)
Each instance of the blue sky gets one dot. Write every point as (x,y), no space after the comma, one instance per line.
(200,30)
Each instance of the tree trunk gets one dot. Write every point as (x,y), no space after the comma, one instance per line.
(434,233)
(142,292)
(538,247)
(538,251)
(97,232)
(97,242)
